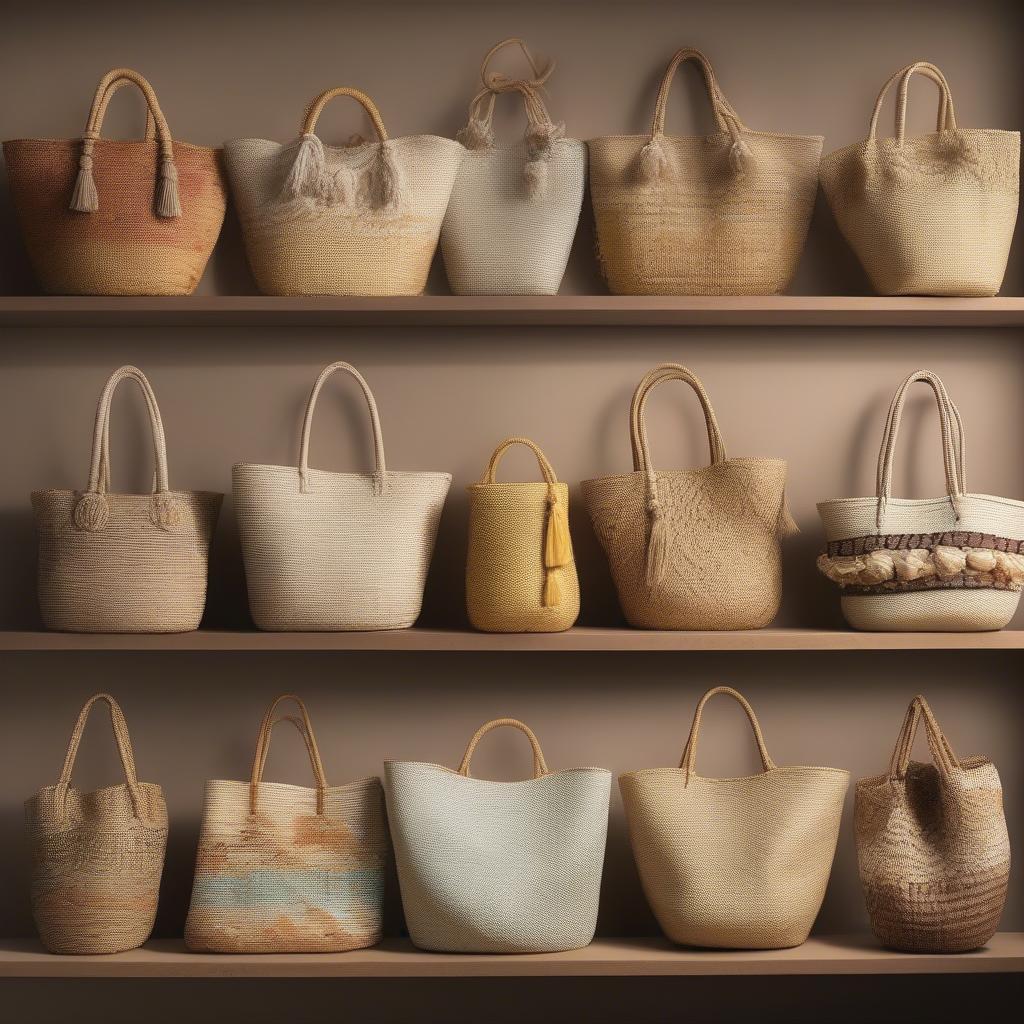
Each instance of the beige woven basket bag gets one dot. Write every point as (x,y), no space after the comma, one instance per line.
(124,563)
(725,214)
(954,562)
(337,551)
(97,857)
(932,845)
(695,548)
(734,863)
(932,215)
(107,217)
(359,219)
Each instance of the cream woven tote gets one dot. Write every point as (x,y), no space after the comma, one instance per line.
(97,857)
(288,869)
(932,215)
(725,214)
(932,846)
(498,867)
(107,217)
(520,571)
(124,563)
(734,863)
(337,551)
(949,563)
(695,548)
(358,219)
(513,212)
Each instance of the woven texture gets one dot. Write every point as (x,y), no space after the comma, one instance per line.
(498,867)
(932,846)
(932,215)
(734,863)
(97,857)
(725,214)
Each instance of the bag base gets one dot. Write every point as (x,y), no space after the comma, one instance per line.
(955,611)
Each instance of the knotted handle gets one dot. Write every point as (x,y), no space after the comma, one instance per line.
(539,764)
(689,757)
(726,118)
(946,115)
(481,108)
(540,76)
(942,753)
(315,109)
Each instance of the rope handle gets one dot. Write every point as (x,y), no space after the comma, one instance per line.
(540,767)
(942,753)
(946,114)
(481,107)
(542,460)
(725,115)
(315,109)
(689,757)
(98,112)
(539,76)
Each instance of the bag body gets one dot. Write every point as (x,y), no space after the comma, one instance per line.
(692,549)
(932,215)
(124,563)
(360,219)
(288,869)
(96,857)
(734,863)
(106,217)
(725,214)
(336,551)
(520,570)
(498,867)
(932,846)
(953,563)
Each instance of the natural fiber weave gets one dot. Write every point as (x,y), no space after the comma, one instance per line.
(932,846)
(97,857)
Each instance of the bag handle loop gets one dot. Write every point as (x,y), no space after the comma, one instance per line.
(946,114)
(540,76)
(316,108)
(942,753)
(540,767)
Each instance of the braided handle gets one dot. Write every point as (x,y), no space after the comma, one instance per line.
(539,764)
(689,757)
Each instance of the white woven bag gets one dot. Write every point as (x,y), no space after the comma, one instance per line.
(336,551)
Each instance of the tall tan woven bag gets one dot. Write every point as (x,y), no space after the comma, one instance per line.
(124,563)
(734,863)
(932,845)
(358,219)
(693,548)
(724,214)
(108,217)
(337,551)
(97,857)
(932,215)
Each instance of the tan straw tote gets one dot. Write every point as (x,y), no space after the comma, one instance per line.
(734,863)
(725,214)
(520,570)
(955,562)
(693,548)
(513,212)
(932,846)
(337,551)
(932,215)
(358,219)
(124,563)
(97,857)
(107,217)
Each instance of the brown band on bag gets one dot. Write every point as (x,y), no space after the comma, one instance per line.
(908,541)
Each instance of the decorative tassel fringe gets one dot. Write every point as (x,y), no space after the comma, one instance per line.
(345,187)
(535,176)
(653,161)
(385,180)
(167,202)
(307,175)
(84,198)
(476,135)
(557,541)
(739,155)
(552,596)
(657,543)
(539,143)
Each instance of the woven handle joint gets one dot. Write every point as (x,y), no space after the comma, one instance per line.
(945,759)
(540,767)
(689,758)
(726,118)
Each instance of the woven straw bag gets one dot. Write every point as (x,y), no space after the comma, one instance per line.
(520,570)
(695,548)
(124,563)
(97,857)
(498,867)
(950,563)
(734,863)
(337,551)
(932,215)
(725,214)
(359,219)
(932,846)
(288,869)
(107,217)
(514,209)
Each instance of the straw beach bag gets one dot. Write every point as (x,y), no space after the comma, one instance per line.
(107,217)
(932,846)
(694,548)
(498,867)
(950,563)
(97,857)
(932,215)
(359,219)
(124,563)
(725,214)
(337,551)
(520,571)
(734,863)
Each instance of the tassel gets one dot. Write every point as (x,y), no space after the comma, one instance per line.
(535,176)
(84,198)
(739,155)
(557,541)
(539,143)
(307,176)
(552,596)
(653,161)
(657,543)
(476,135)
(385,180)
(344,188)
(167,202)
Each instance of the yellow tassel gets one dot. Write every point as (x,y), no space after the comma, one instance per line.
(552,591)
(557,541)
